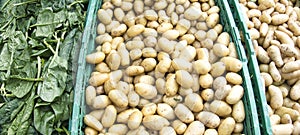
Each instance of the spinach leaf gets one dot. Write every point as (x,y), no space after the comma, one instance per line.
(55,77)
(8,108)
(21,123)
(5,58)
(61,108)
(45,23)
(43,120)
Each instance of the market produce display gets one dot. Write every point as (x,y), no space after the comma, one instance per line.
(38,46)
(163,67)
(274,29)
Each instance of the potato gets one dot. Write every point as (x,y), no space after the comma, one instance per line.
(179,126)
(184,79)
(284,110)
(206,80)
(279,19)
(222,92)
(207,94)
(183,113)
(212,20)
(135,119)
(104,17)
(188,53)
(275,119)
(113,60)
(194,102)
(155,122)
(145,90)
(217,69)
(283,37)
(195,128)
(95,58)
(182,26)
(262,55)
(209,119)
(90,94)
(167,130)
(227,126)
(267,79)
(90,131)
(171,86)
(97,114)
(282,129)
(118,129)
(220,108)
(219,82)
(181,64)
(235,94)
(294,92)
(98,79)
(238,128)
(92,122)
(276,97)
(100,102)
(135,30)
(234,78)
(118,98)
(134,70)
(232,64)
(238,111)
(123,116)
(165,111)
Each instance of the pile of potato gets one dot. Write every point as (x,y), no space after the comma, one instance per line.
(274,26)
(163,67)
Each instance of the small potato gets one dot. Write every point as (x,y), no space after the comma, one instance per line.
(155,122)
(206,80)
(202,66)
(184,79)
(135,120)
(171,86)
(184,114)
(234,78)
(171,34)
(165,111)
(284,110)
(212,34)
(151,15)
(135,30)
(235,94)
(90,131)
(135,54)
(101,102)
(97,114)
(148,64)
(95,58)
(194,102)
(192,13)
(104,17)
(195,128)
(238,111)
(211,132)
(220,50)
(224,38)
(100,29)
(167,131)
(182,26)
(200,35)
(217,69)
(98,79)
(188,53)
(232,64)
(222,92)
(220,108)
(149,109)
(190,38)
(207,94)
(276,97)
(124,54)
(123,116)
(282,129)
(294,92)
(102,68)
(119,30)
(179,126)
(109,116)
(266,78)
(119,14)
(279,19)
(118,129)
(181,64)
(262,55)
(113,60)
(118,98)
(92,122)
(149,53)
(209,119)
(165,45)
(90,94)
(172,100)
(227,126)
(212,20)
(134,70)
(219,82)
(145,90)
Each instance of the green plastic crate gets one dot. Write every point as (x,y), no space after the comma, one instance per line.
(251,123)
(260,99)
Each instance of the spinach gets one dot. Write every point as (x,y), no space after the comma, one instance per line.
(38,47)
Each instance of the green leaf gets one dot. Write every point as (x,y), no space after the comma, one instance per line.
(7,109)
(45,23)
(44,120)
(5,58)
(61,108)
(20,124)
(55,77)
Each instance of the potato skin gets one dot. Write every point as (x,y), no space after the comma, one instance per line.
(209,119)
(155,122)
(227,126)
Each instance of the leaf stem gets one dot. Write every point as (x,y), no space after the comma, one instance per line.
(7,23)
(66,131)
(75,2)
(49,46)
(27,79)
(43,24)
(5,4)
(27,2)
(39,67)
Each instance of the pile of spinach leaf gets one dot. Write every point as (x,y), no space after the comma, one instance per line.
(38,46)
